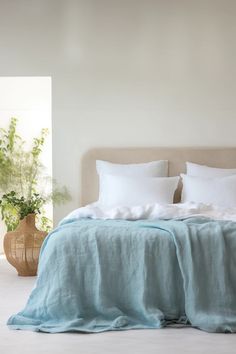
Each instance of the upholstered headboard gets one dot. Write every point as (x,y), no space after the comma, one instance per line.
(215,157)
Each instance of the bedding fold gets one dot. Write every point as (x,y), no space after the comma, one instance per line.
(206,253)
(100,275)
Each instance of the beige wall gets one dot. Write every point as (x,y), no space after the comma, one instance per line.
(126,72)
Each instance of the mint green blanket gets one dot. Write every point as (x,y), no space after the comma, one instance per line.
(99,275)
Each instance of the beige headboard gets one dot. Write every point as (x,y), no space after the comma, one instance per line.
(215,157)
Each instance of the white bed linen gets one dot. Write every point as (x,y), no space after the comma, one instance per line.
(217,191)
(149,169)
(194,169)
(116,191)
(154,211)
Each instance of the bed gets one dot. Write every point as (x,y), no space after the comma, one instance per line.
(117,273)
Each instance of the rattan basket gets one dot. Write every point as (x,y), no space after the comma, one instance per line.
(22,246)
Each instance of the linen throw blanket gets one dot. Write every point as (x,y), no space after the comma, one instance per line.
(97,275)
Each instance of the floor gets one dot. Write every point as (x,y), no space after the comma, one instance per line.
(14,291)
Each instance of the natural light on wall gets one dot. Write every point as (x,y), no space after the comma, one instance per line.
(29,100)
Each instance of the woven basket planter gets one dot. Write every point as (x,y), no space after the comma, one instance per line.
(22,246)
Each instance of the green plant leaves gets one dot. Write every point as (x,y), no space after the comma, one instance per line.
(23,181)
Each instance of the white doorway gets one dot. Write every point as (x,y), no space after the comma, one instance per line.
(29,100)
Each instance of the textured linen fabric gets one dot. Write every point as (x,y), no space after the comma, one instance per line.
(97,275)
(118,191)
(194,169)
(155,211)
(216,191)
(149,169)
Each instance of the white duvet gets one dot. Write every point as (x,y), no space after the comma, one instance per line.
(155,211)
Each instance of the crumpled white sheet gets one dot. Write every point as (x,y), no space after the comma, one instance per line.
(154,211)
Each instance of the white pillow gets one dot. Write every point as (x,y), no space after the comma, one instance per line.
(194,169)
(218,191)
(129,191)
(149,169)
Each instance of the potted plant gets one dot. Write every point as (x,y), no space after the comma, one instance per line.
(23,240)
(25,190)
(15,209)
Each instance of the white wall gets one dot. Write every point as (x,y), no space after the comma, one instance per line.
(126,72)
